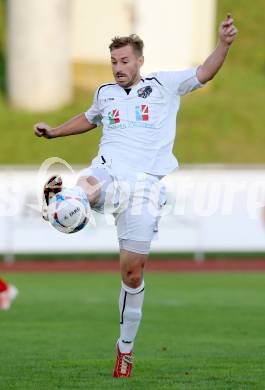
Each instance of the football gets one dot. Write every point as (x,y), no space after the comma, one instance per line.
(69,210)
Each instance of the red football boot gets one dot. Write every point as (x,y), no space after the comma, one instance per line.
(123,366)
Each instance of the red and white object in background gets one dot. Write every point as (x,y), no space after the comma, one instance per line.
(8,293)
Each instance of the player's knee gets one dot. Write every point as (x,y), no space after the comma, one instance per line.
(132,268)
(133,279)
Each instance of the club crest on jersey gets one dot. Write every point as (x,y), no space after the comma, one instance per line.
(144,92)
(142,112)
(114,117)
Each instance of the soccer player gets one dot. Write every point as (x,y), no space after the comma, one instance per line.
(138,115)
(8,293)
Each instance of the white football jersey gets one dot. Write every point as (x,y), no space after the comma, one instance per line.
(139,128)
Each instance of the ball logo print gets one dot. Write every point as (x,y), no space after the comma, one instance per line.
(68,211)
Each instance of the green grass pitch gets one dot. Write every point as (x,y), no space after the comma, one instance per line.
(199,331)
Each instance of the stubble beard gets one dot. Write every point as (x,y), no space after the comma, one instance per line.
(134,80)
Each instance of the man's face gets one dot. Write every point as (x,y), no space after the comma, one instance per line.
(126,66)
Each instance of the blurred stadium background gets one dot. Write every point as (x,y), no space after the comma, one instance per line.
(52,57)
(62,329)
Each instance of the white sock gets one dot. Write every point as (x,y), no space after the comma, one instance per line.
(130,305)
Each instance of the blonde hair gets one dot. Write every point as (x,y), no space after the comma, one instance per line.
(133,40)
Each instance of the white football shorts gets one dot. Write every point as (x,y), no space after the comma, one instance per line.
(135,200)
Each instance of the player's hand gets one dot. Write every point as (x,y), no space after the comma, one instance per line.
(43,130)
(228,31)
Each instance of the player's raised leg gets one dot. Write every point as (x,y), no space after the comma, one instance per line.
(130,305)
(54,185)
(91,185)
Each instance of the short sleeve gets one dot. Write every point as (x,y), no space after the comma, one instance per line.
(180,82)
(93,114)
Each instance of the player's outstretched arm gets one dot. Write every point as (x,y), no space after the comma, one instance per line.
(227,35)
(76,125)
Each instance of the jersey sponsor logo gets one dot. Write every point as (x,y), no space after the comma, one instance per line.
(142,112)
(114,116)
(131,125)
(144,92)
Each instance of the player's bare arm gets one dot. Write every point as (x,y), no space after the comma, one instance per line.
(76,125)
(227,35)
